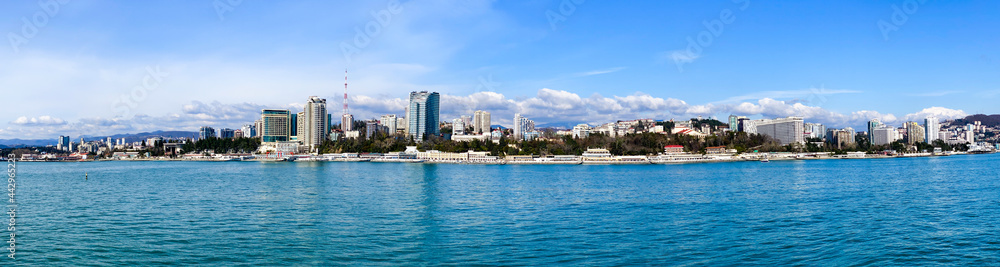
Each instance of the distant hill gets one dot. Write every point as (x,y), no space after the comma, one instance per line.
(557,125)
(988,120)
(26,143)
(142,136)
(76,139)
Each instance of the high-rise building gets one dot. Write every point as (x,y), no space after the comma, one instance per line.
(249,131)
(296,125)
(466,120)
(401,125)
(522,126)
(931,129)
(481,122)
(389,122)
(581,131)
(747,125)
(841,138)
(373,127)
(258,126)
(424,114)
(914,133)
(63,143)
(275,125)
(883,135)
(872,125)
(734,123)
(815,130)
(205,132)
(347,122)
(458,127)
(227,133)
(970,133)
(785,130)
(314,122)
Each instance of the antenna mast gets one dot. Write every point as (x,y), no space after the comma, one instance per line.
(346,111)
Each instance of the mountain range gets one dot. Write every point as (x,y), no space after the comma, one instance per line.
(5,143)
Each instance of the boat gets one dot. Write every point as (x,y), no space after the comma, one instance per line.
(764,160)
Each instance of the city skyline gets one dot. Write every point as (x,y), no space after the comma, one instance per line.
(549,64)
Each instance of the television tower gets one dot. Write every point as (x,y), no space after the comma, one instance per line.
(346,111)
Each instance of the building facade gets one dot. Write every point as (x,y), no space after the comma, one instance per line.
(347,122)
(785,130)
(63,143)
(931,128)
(314,124)
(275,125)
(581,131)
(205,132)
(883,135)
(458,127)
(481,122)
(227,133)
(249,131)
(423,114)
(914,133)
(389,122)
(522,126)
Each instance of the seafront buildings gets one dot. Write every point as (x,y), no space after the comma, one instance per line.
(285,132)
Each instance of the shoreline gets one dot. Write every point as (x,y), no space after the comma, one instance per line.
(647,161)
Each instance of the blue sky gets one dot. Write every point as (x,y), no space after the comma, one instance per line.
(183,64)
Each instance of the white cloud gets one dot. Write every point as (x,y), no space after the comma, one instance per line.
(599,72)
(817,95)
(938,93)
(939,112)
(43,120)
(546,107)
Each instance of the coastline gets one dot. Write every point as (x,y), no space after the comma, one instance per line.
(655,160)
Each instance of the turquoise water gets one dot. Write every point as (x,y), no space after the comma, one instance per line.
(941,210)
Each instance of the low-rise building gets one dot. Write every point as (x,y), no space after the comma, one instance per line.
(715,150)
(673,149)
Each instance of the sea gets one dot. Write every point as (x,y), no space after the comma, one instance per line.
(844,212)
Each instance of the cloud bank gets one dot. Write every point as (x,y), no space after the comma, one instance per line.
(548,106)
